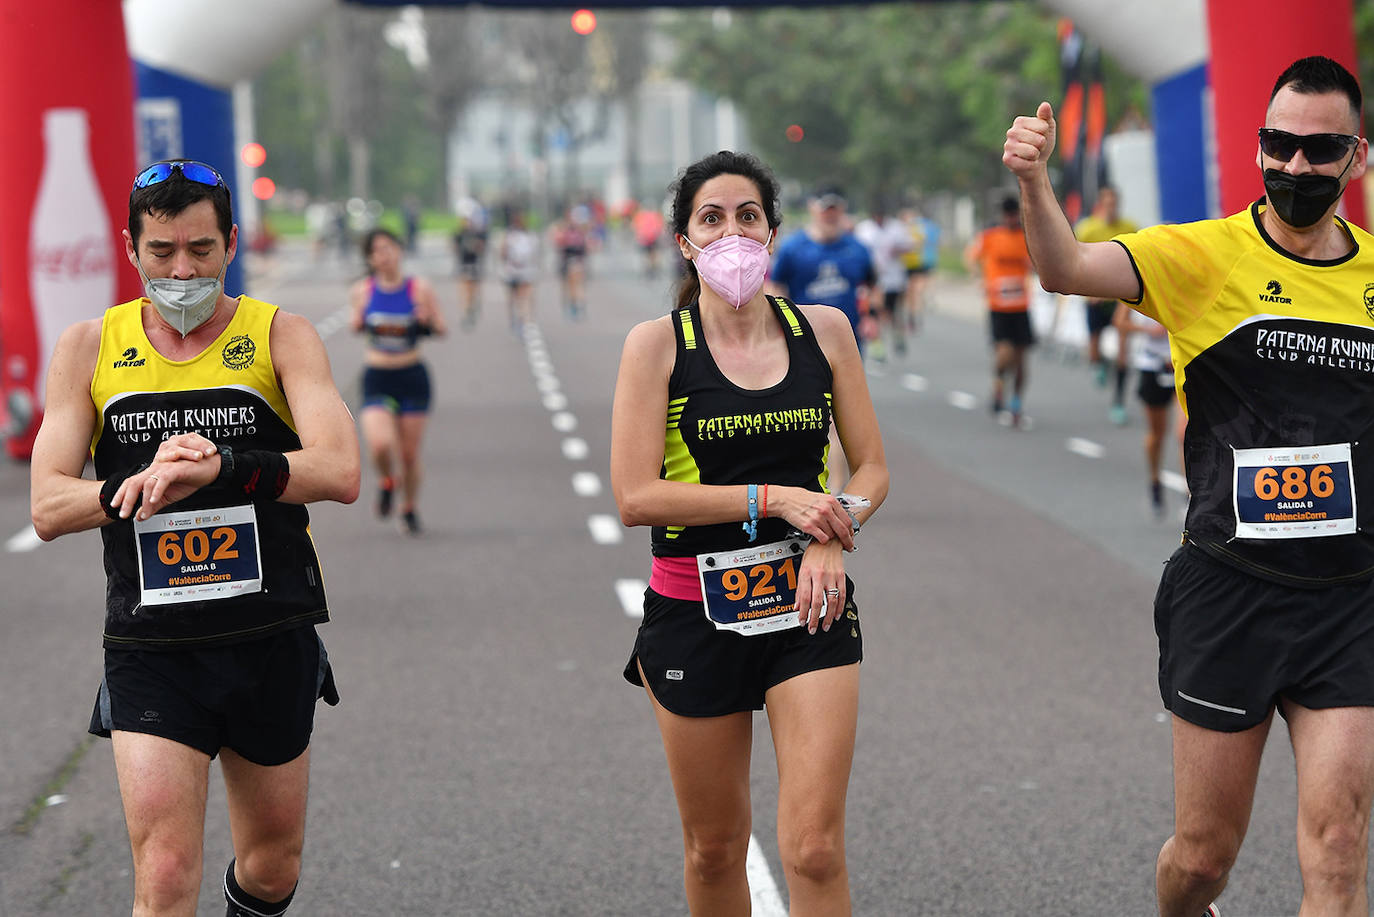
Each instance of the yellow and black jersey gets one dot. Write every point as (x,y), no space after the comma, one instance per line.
(1274,366)
(212,568)
(719,433)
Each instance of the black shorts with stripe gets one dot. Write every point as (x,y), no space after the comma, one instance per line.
(1231,646)
(696,670)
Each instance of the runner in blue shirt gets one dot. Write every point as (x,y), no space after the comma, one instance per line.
(825,263)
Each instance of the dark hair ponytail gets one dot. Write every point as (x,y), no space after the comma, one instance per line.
(685,189)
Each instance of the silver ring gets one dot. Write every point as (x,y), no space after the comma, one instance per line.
(832,592)
(152,477)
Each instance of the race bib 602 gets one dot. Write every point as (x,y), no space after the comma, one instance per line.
(198,555)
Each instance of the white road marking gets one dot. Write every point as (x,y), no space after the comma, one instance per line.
(331,323)
(631,595)
(1084,447)
(763,891)
(1174,481)
(605,529)
(586,483)
(546,384)
(24,540)
(555,401)
(914,383)
(964,401)
(575,448)
(564,422)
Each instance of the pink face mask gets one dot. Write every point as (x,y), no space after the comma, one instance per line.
(734,266)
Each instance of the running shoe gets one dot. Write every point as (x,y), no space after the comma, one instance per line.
(1100,374)
(1157,499)
(384,495)
(410,523)
(1117,414)
(1212,911)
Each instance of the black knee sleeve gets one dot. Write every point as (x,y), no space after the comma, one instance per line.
(242,904)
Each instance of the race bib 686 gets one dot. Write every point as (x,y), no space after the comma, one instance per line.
(1299,492)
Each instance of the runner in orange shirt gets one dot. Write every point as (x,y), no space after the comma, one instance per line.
(1000,253)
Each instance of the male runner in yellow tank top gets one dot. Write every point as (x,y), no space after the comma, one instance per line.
(1267,604)
(211,421)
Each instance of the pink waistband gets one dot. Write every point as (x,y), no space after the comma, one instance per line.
(676,578)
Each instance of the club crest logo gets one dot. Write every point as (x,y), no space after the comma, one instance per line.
(1369,300)
(238,354)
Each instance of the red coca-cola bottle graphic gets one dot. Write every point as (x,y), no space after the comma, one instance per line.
(71,252)
(49,65)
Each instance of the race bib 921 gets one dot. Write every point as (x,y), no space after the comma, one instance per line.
(752,590)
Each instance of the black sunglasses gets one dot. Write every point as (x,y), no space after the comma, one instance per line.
(1318,148)
(191,170)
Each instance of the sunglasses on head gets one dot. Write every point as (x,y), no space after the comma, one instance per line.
(191,170)
(1318,148)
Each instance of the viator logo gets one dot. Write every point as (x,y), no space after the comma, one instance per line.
(1274,294)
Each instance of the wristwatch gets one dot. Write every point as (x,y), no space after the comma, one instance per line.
(226,466)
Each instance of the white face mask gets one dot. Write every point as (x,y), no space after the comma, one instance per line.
(185,304)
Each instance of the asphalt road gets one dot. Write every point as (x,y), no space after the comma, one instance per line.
(488,759)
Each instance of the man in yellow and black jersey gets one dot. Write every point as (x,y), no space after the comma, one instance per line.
(1266,604)
(211,421)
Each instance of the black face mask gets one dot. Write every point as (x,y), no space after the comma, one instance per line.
(1301,200)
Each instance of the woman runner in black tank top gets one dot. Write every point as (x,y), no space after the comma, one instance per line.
(745,387)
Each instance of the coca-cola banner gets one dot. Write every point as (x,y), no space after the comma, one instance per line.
(65,172)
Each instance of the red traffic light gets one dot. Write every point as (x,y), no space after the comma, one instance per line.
(584,22)
(253,154)
(264,188)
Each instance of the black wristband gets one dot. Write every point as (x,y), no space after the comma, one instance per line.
(226,466)
(259,474)
(112,484)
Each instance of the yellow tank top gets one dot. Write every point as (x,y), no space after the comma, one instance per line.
(214,567)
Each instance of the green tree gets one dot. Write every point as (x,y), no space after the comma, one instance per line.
(891,97)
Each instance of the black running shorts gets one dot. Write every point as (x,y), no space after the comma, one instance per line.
(1231,645)
(696,670)
(256,698)
(1012,328)
(401,391)
(1153,391)
(1099,314)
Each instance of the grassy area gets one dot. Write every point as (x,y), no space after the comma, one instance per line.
(286,223)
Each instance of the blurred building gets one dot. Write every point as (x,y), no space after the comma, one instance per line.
(503,148)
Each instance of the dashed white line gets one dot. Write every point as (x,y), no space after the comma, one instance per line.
(763,891)
(586,483)
(605,529)
(331,323)
(914,383)
(630,592)
(555,401)
(546,384)
(1085,447)
(24,540)
(964,401)
(575,448)
(564,422)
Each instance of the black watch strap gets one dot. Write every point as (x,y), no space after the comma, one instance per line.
(226,466)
